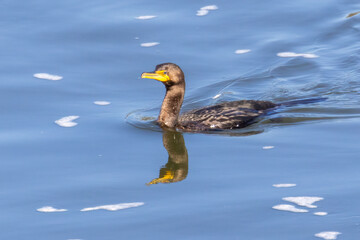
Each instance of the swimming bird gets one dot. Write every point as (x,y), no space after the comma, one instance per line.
(227,115)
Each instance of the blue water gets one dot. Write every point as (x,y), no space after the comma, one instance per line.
(215,186)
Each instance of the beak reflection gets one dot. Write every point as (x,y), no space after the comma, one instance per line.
(176,169)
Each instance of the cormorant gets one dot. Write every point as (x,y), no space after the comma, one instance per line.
(227,115)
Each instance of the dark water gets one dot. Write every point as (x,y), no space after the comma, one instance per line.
(180,186)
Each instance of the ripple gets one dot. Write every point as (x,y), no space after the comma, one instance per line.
(248,88)
(146,119)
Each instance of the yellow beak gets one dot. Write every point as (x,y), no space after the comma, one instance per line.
(167,178)
(158,75)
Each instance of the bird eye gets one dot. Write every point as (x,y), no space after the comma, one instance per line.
(165,73)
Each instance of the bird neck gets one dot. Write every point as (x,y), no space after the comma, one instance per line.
(171,105)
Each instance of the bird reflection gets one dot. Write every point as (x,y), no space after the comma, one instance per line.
(176,169)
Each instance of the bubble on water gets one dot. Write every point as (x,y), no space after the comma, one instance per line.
(205,10)
(327,235)
(304,201)
(267,147)
(147,17)
(114,207)
(67,121)
(50,209)
(209,7)
(320,213)
(242,51)
(289,208)
(284,185)
(309,55)
(149,44)
(102,103)
(47,76)
(216,96)
(202,12)
(292,54)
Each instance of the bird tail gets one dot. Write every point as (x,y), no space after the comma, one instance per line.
(302,101)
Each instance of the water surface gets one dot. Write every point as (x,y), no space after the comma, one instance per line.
(205,186)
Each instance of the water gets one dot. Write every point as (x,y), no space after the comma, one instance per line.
(205,186)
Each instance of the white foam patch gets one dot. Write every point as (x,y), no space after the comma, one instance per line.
(149,44)
(327,235)
(287,54)
(67,121)
(242,51)
(114,207)
(216,96)
(320,213)
(284,185)
(147,17)
(267,147)
(102,103)
(289,208)
(304,201)
(50,209)
(292,54)
(205,10)
(210,7)
(309,55)
(47,76)
(202,12)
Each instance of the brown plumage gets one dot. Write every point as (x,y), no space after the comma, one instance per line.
(227,115)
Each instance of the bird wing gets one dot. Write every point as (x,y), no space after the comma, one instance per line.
(221,116)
